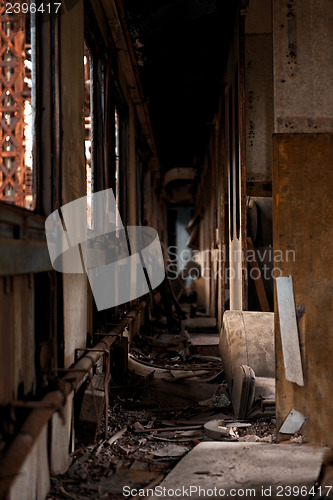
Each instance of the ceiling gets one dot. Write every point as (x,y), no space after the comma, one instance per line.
(181,47)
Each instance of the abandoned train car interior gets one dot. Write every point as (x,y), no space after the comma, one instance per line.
(166,281)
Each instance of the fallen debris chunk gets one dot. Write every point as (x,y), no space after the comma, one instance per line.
(172,450)
(296,439)
(137,425)
(206,402)
(222,401)
(253,438)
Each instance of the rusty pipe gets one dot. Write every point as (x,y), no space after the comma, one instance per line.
(23,442)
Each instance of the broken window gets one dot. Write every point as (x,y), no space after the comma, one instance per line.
(17,109)
(88,124)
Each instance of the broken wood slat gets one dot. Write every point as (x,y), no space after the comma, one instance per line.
(112,440)
(176,428)
(258,282)
(116,436)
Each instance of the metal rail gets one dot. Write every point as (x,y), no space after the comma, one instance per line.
(13,459)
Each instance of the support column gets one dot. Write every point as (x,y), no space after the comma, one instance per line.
(302,193)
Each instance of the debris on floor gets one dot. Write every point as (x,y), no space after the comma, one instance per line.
(147,437)
(143,446)
(173,391)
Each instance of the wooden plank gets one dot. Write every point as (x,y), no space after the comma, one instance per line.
(288,329)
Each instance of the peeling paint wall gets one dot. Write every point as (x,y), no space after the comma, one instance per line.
(259,109)
(17,353)
(303,69)
(259,97)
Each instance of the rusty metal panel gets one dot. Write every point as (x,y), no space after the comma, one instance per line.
(23,242)
(259,112)
(303,186)
(7,386)
(17,355)
(20,256)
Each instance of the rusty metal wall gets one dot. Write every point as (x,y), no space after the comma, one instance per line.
(303,186)
(17,337)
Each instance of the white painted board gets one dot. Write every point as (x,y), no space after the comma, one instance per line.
(292,423)
(288,330)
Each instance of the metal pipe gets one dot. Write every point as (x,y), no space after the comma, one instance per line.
(13,459)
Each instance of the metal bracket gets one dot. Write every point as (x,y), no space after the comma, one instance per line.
(106,385)
(264,403)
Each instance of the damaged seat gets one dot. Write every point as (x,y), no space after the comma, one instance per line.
(247,352)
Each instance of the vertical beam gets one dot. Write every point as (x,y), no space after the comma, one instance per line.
(73,176)
(303,233)
(302,190)
(242,162)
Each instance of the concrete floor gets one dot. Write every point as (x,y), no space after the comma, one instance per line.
(242,470)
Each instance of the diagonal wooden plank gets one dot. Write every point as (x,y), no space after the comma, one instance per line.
(289,332)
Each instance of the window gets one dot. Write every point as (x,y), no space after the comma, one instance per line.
(17,111)
(117,159)
(88,131)
(119,153)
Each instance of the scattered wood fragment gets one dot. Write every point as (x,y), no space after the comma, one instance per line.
(110,441)
(175,428)
(116,436)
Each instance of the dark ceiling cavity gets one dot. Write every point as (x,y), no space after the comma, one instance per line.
(182,47)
